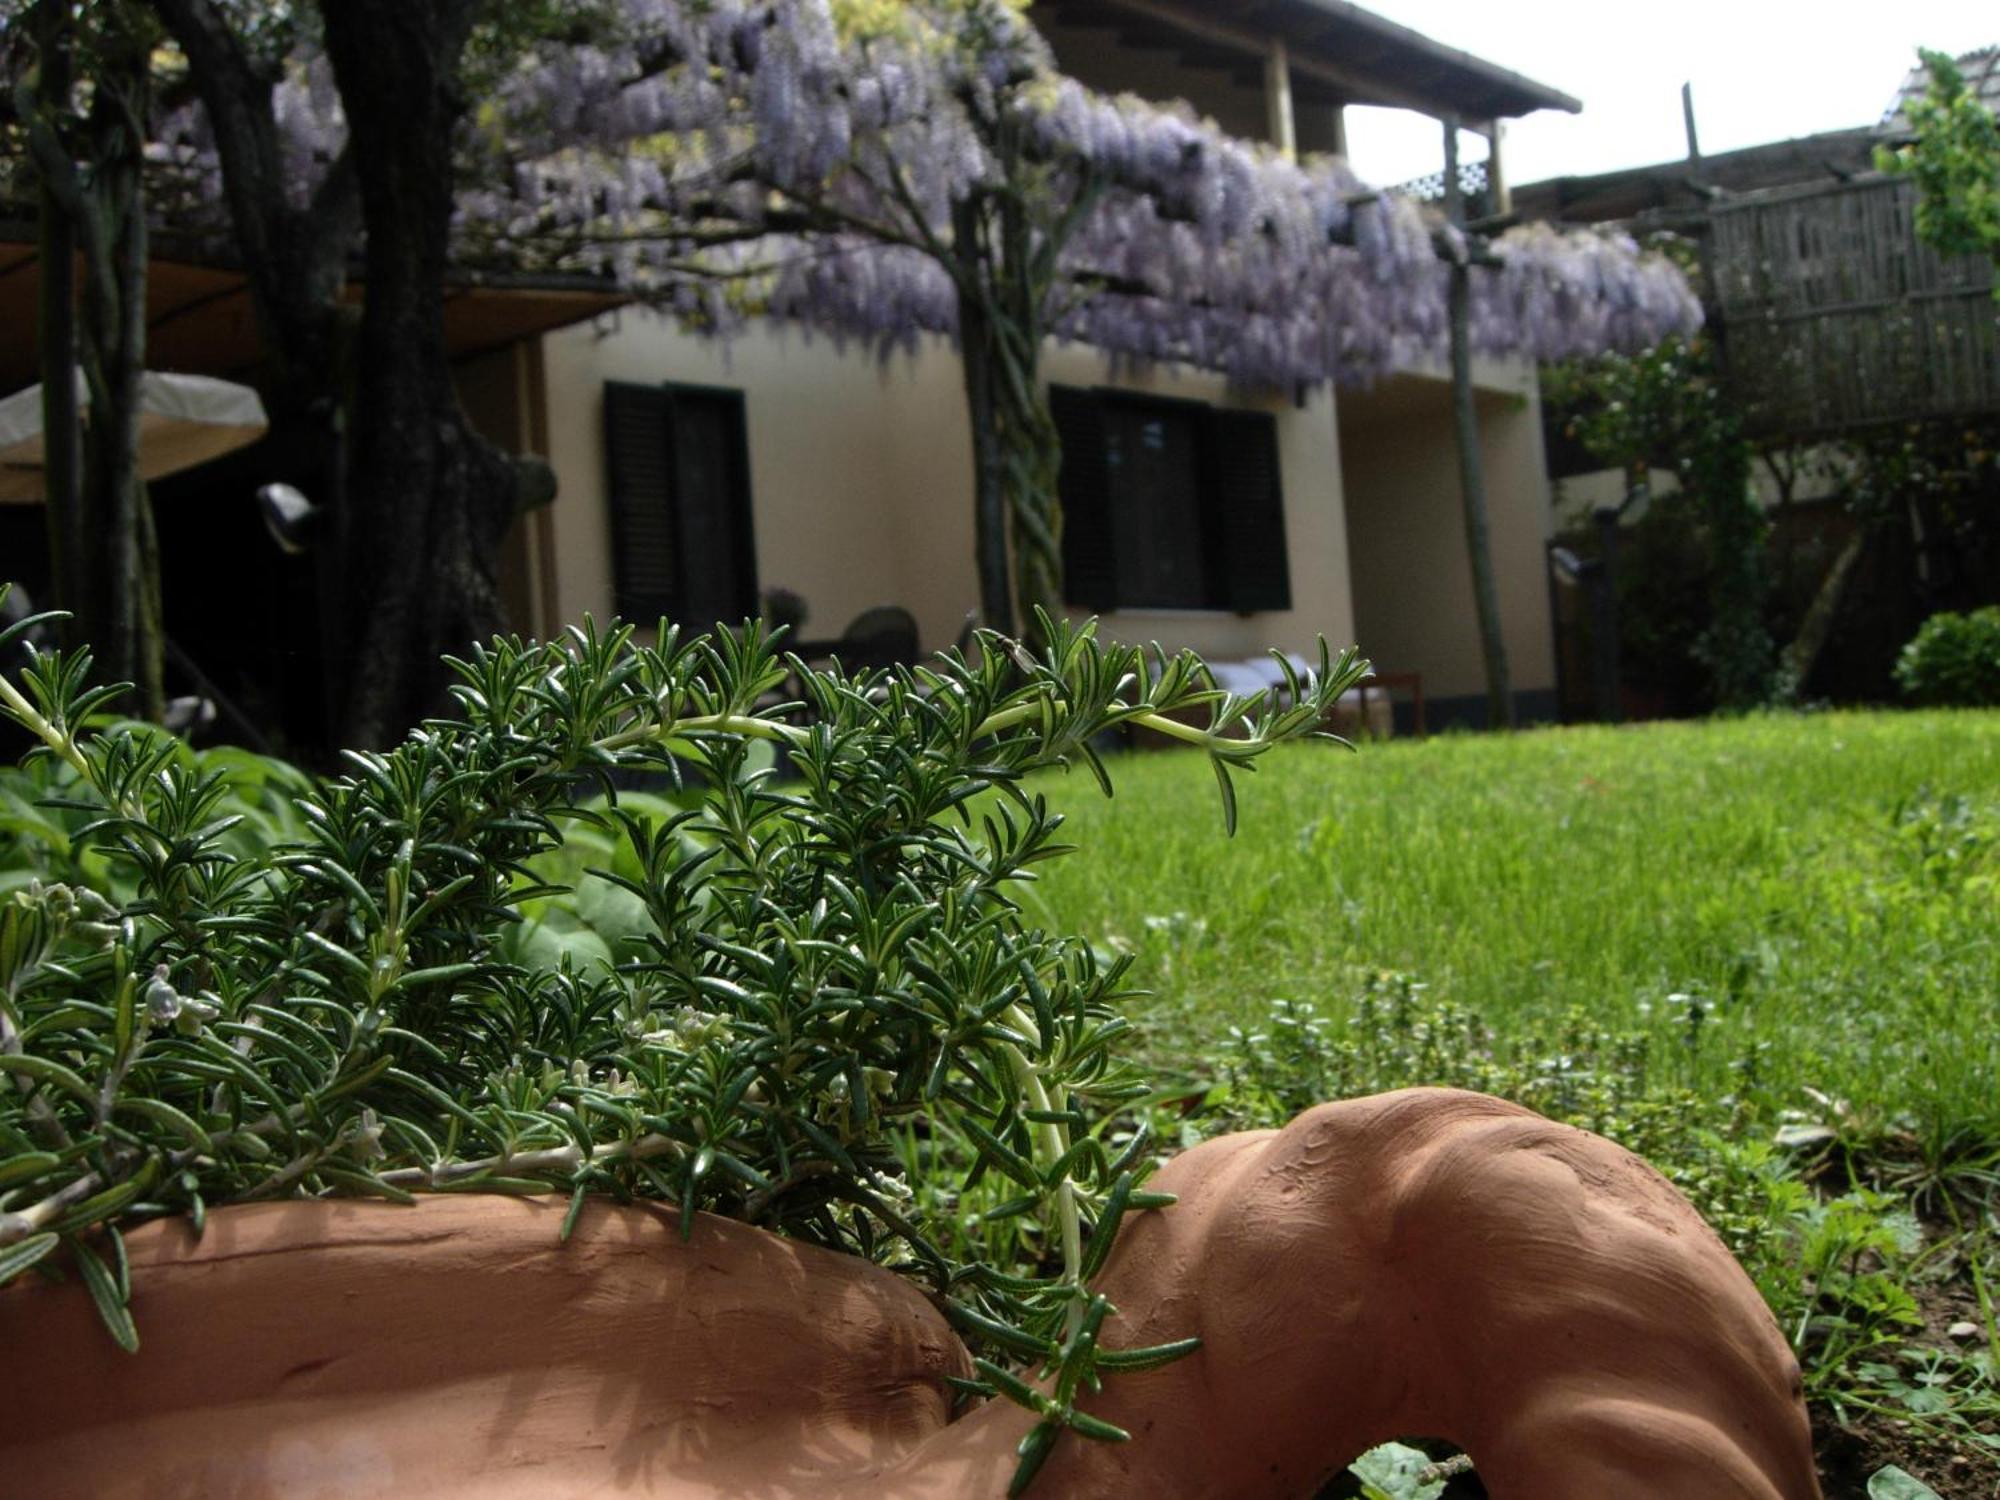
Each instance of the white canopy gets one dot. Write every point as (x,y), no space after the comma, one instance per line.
(184,420)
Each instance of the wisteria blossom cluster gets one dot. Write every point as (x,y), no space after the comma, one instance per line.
(821,163)
(803,160)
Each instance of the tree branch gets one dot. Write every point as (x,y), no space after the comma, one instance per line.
(333,218)
(52,161)
(237,95)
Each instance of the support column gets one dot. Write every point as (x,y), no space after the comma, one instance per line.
(1499,195)
(1282,124)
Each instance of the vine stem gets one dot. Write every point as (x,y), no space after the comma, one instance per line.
(1189,734)
(31,717)
(743,724)
(64,744)
(40,1114)
(30,1220)
(796,737)
(556,1159)
(1055,1144)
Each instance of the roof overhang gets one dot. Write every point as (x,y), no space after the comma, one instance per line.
(1339,53)
(199,317)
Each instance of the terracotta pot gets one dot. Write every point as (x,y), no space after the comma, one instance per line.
(1419,1264)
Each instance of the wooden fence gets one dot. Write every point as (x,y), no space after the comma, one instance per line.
(1835,318)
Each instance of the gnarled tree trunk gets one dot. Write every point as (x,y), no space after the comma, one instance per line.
(1017,468)
(295,258)
(418,502)
(428,499)
(114,364)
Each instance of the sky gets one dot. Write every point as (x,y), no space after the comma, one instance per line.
(1762,70)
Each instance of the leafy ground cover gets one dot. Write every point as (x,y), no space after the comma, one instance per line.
(1765,953)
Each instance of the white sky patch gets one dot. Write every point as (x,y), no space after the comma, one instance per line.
(1762,70)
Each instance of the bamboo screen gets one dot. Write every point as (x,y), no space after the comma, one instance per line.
(1835,317)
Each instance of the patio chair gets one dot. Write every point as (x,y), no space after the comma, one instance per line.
(885,636)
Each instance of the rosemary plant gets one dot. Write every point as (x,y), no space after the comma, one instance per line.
(228,981)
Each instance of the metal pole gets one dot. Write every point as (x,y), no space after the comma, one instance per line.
(1471,472)
(1556,631)
(1605,673)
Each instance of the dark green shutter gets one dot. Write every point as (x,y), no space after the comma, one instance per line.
(678,483)
(1090,575)
(718,547)
(1246,518)
(639,463)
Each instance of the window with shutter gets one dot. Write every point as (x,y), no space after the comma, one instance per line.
(1170,504)
(683,543)
(1154,451)
(638,446)
(1090,579)
(1247,512)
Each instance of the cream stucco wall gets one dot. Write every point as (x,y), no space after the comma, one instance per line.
(1412,582)
(821,479)
(861,480)
(861,491)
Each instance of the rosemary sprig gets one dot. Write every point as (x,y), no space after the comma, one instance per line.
(812,1002)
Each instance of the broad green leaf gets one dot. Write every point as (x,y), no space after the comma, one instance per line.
(1390,1473)
(612,912)
(544,944)
(1893,1483)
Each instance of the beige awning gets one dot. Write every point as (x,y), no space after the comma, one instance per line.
(184,420)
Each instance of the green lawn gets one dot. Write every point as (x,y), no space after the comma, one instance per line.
(1691,936)
(1826,888)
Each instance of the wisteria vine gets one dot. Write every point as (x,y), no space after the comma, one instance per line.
(802,159)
